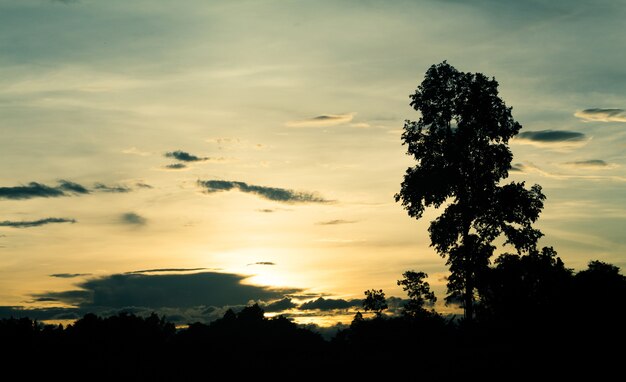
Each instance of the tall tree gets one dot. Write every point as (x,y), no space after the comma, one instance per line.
(460,143)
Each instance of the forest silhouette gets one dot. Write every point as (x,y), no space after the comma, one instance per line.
(526,315)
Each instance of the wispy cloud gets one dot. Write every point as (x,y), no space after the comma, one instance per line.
(35,223)
(68,186)
(554,139)
(105,188)
(270,193)
(184,156)
(229,143)
(162,270)
(591,163)
(32,190)
(532,168)
(133,219)
(336,222)
(322,120)
(69,275)
(602,115)
(175,166)
(263,263)
(517,167)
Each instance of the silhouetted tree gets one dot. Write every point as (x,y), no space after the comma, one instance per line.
(375,301)
(460,144)
(525,288)
(418,290)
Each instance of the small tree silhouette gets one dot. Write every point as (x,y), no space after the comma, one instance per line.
(375,301)
(418,290)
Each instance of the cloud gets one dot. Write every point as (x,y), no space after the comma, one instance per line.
(330,304)
(69,275)
(166,290)
(35,223)
(591,163)
(266,210)
(557,139)
(133,219)
(64,188)
(68,186)
(322,120)
(40,313)
(517,167)
(263,263)
(602,115)
(143,185)
(175,166)
(228,143)
(184,156)
(270,193)
(336,222)
(158,270)
(279,305)
(32,190)
(104,188)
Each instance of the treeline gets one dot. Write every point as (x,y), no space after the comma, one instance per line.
(534,318)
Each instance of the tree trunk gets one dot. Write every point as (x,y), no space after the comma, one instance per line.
(468,296)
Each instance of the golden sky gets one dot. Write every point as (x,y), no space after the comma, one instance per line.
(258,142)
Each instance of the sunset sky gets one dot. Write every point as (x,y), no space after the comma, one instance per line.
(187,156)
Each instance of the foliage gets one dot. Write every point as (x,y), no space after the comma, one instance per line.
(375,301)
(460,144)
(418,290)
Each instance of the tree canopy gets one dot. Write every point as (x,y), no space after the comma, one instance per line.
(460,144)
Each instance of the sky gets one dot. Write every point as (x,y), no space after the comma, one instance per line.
(191,156)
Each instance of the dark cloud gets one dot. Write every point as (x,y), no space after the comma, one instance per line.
(184,156)
(336,222)
(76,297)
(517,167)
(266,210)
(279,305)
(166,290)
(35,223)
(133,218)
(330,304)
(263,263)
(270,193)
(69,275)
(46,299)
(589,163)
(40,313)
(602,115)
(68,186)
(552,139)
(143,185)
(65,188)
(175,166)
(322,120)
(104,188)
(552,136)
(32,190)
(157,270)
